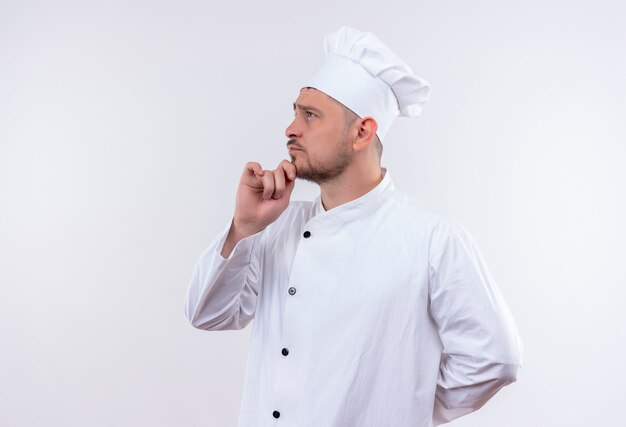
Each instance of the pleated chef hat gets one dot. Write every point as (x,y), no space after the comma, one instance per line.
(363,74)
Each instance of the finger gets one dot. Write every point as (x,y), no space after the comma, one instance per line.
(268,185)
(289,168)
(279,183)
(291,172)
(254,168)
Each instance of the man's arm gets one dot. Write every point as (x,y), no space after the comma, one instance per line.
(481,346)
(226,278)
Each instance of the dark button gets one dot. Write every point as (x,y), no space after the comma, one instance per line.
(307,234)
(276,414)
(292,291)
(285,352)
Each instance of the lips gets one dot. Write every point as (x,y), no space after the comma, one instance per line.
(291,146)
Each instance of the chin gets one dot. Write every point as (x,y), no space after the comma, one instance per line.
(302,172)
(296,162)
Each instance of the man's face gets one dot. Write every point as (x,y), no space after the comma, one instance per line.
(318,140)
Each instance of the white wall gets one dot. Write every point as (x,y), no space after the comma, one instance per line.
(124,127)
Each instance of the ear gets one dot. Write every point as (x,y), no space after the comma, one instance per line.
(365,133)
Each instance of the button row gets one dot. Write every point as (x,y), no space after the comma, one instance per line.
(292,291)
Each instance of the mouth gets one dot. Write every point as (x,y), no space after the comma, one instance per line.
(291,146)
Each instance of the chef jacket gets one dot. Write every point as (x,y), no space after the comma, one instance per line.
(379,312)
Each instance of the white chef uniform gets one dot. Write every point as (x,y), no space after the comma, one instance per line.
(379,312)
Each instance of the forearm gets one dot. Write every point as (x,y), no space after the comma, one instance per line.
(236,233)
(222,291)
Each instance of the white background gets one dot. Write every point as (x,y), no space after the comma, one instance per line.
(124,127)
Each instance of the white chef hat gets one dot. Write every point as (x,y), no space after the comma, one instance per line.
(363,74)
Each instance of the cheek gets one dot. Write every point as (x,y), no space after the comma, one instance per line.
(323,144)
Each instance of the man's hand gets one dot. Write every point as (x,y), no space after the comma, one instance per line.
(261,197)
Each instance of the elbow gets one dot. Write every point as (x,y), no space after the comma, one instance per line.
(197,323)
(199,320)
(510,366)
(193,318)
(230,320)
(499,371)
(503,366)
(203,322)
(509,373)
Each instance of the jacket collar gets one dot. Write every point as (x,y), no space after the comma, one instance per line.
(357,208)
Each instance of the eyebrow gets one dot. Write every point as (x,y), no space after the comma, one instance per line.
(306,107)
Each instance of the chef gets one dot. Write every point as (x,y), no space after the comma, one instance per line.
(370,309)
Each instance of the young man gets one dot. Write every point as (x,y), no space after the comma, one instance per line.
(369,308)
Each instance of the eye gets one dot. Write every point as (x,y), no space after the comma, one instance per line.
(309,114)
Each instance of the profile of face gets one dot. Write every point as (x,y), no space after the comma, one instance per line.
(318,138)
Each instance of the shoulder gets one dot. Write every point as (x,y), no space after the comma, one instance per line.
(413,210)
(434,224)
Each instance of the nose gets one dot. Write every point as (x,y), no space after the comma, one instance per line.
(293,130)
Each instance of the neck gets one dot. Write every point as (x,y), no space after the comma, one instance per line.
(349,186)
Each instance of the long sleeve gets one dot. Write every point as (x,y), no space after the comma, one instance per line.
(481,346)
(222,292)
